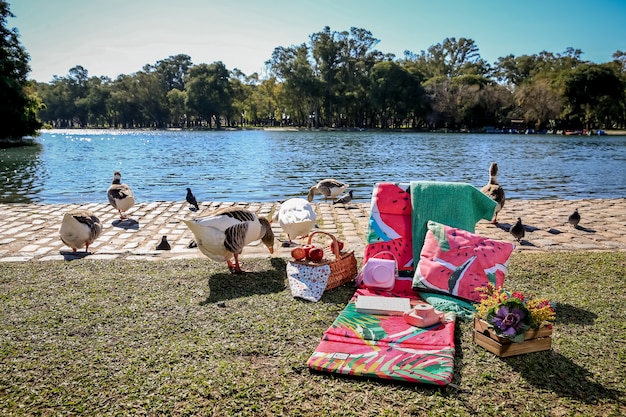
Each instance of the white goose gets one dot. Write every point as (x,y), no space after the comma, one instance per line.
(329,188)
(296,217)
(494,191)
(79,229)
(225,233)
(120,195)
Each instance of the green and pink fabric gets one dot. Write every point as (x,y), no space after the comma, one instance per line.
(386,347)
(390,224)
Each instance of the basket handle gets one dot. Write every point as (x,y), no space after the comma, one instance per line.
(334,248)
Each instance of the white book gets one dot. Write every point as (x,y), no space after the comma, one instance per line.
(376,304)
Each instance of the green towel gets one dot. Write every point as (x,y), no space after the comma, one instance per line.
(454,204)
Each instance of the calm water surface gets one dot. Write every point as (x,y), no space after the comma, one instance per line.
(76,166)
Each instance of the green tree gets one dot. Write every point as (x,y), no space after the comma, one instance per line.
(594,95)
(19,104)
(209,92)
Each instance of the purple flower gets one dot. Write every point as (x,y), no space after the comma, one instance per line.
(509,320)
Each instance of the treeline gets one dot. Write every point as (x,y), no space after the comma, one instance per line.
(339,80)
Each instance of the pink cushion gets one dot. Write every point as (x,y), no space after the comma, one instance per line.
(454,261)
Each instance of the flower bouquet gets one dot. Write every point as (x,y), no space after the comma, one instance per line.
(516,317)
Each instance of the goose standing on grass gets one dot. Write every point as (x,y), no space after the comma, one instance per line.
(120,195)
(329,188)
(574,218)
(223,235)
(79,229)
(191,199)
(296,217)
(494,191)
(517,230)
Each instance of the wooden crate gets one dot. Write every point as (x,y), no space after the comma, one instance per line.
(534,340)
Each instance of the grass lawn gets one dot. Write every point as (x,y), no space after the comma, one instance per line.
(188,338)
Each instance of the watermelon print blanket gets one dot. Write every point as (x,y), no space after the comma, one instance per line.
(386,347)
(390,224)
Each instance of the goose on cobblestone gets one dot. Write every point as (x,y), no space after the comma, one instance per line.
(329,188)
(494,190)
(79,229)
(296,217)
(223,234)
(120,195)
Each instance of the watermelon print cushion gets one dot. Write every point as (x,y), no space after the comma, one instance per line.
(390,224)
(454,261)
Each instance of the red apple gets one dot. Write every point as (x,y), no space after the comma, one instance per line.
(307,248)
(339,243)
(316,254)
(298,253)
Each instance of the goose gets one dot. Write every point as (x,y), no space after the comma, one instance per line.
(494,191)
(296,217)
(574,218)
(224,233)
(79,228)
(120,195)
(191,199)
(344,199)
(517,230)
(329,188)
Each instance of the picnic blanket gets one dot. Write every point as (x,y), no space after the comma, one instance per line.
(389,228)
(386,347)
(454,204)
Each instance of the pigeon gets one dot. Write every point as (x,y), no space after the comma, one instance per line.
(517,230)
(120,195)
(494,191)
(164,245)
(329,188)
(574,218)
(191,199)
(344,199)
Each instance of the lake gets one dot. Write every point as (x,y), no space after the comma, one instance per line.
(76,166)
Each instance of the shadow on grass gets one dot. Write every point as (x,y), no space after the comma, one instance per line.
(228,286)
(552,371)
(567,313)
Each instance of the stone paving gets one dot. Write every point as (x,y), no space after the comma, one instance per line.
(29,232)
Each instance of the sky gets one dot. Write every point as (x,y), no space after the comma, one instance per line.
(114,37)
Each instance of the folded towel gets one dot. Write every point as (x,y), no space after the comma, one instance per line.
(454,204)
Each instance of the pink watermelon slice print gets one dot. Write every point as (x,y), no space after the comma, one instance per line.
(390,216)
(401,249)
(456,262)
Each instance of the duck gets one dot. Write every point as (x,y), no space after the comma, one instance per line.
(329,188)
(296,217)
(79,228)
(223,234)
(345,199)
(574,218)
(517,230)
(494,190)
(191,199)
(120,195)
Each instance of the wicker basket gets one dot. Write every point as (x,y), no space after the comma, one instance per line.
(343,266)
